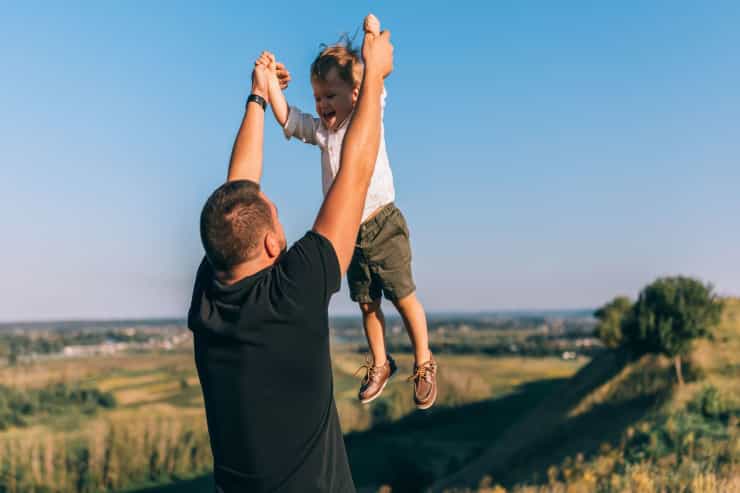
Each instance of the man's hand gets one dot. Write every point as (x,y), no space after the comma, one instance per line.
(261,76)
(377,50)
(371,25)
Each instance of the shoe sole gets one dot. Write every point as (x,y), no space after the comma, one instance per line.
(431,402)
(428,404)
(368,401)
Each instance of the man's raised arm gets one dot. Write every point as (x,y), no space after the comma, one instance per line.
(246,156)
(341,213)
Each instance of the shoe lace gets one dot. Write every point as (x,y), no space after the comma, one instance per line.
(421,371)
(370,371)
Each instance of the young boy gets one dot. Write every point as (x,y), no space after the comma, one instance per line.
(382,260)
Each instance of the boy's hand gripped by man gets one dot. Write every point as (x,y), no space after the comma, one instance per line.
(278,76)
(278,70)
(278,79)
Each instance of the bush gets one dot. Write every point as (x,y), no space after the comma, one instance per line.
(611,317)
(709,402)
(17,406)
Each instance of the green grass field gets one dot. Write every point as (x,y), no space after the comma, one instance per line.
(159,414)
(525,425)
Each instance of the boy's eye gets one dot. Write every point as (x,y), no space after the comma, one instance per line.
(330,96)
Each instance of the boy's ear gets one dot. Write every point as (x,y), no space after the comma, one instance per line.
(355,94)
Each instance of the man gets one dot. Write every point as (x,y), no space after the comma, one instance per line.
(259,312)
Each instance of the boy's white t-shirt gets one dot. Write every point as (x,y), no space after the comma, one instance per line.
(311,130)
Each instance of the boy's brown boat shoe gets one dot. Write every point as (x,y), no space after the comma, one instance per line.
(425,384)
(375,379)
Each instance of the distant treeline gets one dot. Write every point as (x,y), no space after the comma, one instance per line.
(18,406)
(90,325)
(13,346)
(537,346)
(577,325)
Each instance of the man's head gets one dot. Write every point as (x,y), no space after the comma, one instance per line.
(336,75)
(239,224)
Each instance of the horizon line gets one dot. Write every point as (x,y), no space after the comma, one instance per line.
(163,318)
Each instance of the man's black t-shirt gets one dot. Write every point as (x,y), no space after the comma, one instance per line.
(262,352)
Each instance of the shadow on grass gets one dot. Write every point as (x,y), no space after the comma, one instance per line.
(547,433)
(203,484)
(410,453)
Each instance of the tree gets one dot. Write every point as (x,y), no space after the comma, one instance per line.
(669,314)
(611,317)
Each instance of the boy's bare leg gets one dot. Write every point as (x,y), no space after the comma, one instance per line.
(374,323)
(415,320)
(425,368)
(382,367)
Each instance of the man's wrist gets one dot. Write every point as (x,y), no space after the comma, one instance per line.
(259,92)
(373,82)
(374,74)
(256,98)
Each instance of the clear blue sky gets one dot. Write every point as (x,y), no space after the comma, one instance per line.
(546,155)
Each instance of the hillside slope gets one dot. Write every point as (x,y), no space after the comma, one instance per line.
(599,406)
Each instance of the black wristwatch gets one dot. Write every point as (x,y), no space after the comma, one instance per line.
(257,99)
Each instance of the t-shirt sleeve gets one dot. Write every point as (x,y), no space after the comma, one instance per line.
(311,267)
(196,302)
(301,125)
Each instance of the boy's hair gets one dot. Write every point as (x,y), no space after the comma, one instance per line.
(232,223)
(342,56)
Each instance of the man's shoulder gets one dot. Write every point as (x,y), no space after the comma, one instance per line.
(312,260)
(312,246)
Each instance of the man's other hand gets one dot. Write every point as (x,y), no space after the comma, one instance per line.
(377,51)
(371,25)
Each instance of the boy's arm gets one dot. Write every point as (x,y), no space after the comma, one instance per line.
(277,98)
(295,123)
(341,213)
(246,155)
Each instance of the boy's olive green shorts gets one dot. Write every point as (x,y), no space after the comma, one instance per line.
(382,259)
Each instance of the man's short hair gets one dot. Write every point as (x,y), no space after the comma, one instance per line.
(233,223)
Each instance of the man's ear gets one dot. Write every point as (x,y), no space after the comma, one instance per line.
(272,245)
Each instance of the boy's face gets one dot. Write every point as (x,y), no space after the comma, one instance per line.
(334,98)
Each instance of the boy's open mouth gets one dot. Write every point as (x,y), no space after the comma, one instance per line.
(329,114)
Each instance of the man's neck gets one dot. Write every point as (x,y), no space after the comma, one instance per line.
(242,271)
